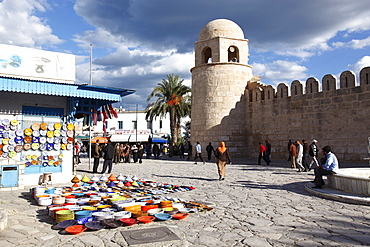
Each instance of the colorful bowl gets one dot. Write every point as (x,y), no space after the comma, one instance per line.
(122,214)
(155,211)
(76,229)
(94,225)
(145,219)
(163,216)
(129,221)
(112,223)
(180,216)
(66,223)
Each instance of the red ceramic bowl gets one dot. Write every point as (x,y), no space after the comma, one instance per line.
(148,207)
(76,229)
(128,221)
(180,216)
(145,219)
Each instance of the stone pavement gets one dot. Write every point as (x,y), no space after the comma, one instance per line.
(254,206)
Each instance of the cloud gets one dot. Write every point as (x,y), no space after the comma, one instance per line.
(19,24)
(354,44)
(279,72)
(363,62)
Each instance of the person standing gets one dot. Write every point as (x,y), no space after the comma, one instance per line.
(140,152)
(330,167)
(305,159)
(313,152)
(77,153)
(268,152)
(299,156)
(190,150)
(182,150)
(96,150)
(209,150)
(108,157)
(135,152)
(198,153)
(156,151)
(262,154)
(222,156)
(293,154)
(290,143)
(117,153)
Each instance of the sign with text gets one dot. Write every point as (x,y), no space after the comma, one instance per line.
(34,64)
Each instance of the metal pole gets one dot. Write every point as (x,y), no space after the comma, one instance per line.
(90,113)
(90,64)
(89,143)
(136,122)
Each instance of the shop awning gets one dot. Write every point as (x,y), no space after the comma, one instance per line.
(62,89)
(122,138)
(101,139)
(159,140)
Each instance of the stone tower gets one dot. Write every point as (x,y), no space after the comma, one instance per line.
(219,79)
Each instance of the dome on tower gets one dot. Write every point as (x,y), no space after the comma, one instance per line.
(221,28)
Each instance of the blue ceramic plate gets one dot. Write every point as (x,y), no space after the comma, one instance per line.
(66,223)
(163,216)
(84,220)
(94,225)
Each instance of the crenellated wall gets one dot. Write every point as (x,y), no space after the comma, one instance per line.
(336,117)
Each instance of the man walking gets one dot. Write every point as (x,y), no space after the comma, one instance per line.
(305,161)
(262,154)
(268,152)
(299,156)
(209,150)
(198,153)
(313,152)
(108,157)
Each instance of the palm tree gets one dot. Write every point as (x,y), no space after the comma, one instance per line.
(171,97)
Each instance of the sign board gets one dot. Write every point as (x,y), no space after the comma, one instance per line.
(34,64)
(125,132)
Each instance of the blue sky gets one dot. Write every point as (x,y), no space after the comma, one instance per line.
(137,43)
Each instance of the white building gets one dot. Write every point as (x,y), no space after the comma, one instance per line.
(123,129)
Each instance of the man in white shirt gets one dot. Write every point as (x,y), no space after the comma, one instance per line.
(198,153)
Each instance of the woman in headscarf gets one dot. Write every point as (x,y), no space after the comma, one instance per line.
(222,156)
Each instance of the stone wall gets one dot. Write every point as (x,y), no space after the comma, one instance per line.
(335,117)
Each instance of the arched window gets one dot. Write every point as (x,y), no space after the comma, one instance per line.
(207,55)
(233,54)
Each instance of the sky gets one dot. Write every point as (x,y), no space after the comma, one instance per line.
(137,43)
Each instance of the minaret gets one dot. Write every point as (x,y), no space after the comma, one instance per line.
(219,79)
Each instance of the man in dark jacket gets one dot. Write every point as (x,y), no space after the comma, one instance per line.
(108,157)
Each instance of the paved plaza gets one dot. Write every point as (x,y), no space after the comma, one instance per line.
(254,206)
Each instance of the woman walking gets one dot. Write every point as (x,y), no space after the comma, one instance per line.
(222,156)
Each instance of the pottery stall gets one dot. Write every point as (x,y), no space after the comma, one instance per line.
(30,150)
(109,202)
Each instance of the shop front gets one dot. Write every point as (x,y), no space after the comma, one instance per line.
(37,132)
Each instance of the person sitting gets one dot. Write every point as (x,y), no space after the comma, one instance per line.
(329,167)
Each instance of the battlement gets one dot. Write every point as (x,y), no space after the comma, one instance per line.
(347,81)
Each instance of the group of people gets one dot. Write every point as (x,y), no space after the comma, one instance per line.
(264,153)
(304,156)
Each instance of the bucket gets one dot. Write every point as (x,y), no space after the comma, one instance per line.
(63,215)
(44,201)
(56,210)
(59,199)
(82,214)
(52,209)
